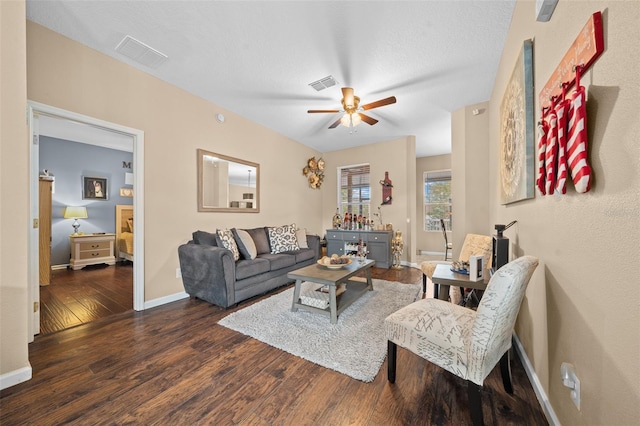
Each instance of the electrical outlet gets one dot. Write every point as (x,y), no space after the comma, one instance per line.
(570,379)
(178,273)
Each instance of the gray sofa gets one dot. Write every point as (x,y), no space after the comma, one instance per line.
(209,271)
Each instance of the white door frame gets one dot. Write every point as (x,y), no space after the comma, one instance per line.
(34,110)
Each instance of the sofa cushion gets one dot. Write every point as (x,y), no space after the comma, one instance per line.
(245,243)
(283,238)
(228,242)
(259,236)
(204,238)
(249,268)
(301,237)
(279,261)
(304,254)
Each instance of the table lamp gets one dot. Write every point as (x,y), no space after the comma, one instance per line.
(75,213)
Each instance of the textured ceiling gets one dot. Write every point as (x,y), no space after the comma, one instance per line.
(257,58)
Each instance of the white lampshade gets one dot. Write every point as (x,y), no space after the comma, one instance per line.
(75,213)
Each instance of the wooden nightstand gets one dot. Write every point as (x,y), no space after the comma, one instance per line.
(92,249)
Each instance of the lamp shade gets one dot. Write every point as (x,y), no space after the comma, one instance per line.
(75,212)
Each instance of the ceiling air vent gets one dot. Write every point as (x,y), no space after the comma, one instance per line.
(140,52)
(323,83)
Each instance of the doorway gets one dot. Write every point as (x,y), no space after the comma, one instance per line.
(77,121)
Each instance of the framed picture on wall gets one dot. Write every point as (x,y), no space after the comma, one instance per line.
(94,188)
(517,131)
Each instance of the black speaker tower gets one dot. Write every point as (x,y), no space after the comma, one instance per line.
(500,247)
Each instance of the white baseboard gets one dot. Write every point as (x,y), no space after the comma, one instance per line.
(431,253)
(58,267)
(164,300)
(543,399)
(12,378)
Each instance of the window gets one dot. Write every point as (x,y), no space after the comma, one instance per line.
(354,191)
(437,200)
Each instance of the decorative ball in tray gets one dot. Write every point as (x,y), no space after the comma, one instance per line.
(334,262)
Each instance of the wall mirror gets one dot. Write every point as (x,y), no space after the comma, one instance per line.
(227,184)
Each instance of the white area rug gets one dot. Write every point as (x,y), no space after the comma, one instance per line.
(355,346)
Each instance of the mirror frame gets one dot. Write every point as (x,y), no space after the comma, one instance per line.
(202,207)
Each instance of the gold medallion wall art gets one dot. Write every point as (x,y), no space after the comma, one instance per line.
(517,131)
(314,172)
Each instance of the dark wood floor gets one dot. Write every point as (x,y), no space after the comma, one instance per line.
(85,295)
(174,365)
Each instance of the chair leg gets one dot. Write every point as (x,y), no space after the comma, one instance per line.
(424,286)
(505,370)
(463,298)
(392,350)
(475,403)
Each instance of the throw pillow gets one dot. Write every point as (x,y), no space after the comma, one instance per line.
(205,238)
(301,236)
(259,236)
(283,238)
(245,243)
(228,242)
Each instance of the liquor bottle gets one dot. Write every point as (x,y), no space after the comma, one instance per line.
(337,220)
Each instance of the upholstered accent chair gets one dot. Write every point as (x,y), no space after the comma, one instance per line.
(474,245)
(464,342)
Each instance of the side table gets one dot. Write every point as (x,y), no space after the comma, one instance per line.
(92,249)
(443,277)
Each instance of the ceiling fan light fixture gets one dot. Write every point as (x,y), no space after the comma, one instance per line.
(351,108)
(350,120)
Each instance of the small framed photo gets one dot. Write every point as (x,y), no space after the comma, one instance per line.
(94,188)
(476,268)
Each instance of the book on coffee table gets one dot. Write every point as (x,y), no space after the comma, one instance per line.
(339,289)
(319,298)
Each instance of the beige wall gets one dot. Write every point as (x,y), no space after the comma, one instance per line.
(14,185)
(65,74)
(587,243)
(583,303)
(428,241)
(401,172)
(470,184)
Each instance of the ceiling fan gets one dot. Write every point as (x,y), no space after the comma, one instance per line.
(351,108)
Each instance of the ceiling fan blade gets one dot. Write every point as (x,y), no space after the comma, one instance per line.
(312,111)
(381,102)
(347,95)
(369,120)
(335,124)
